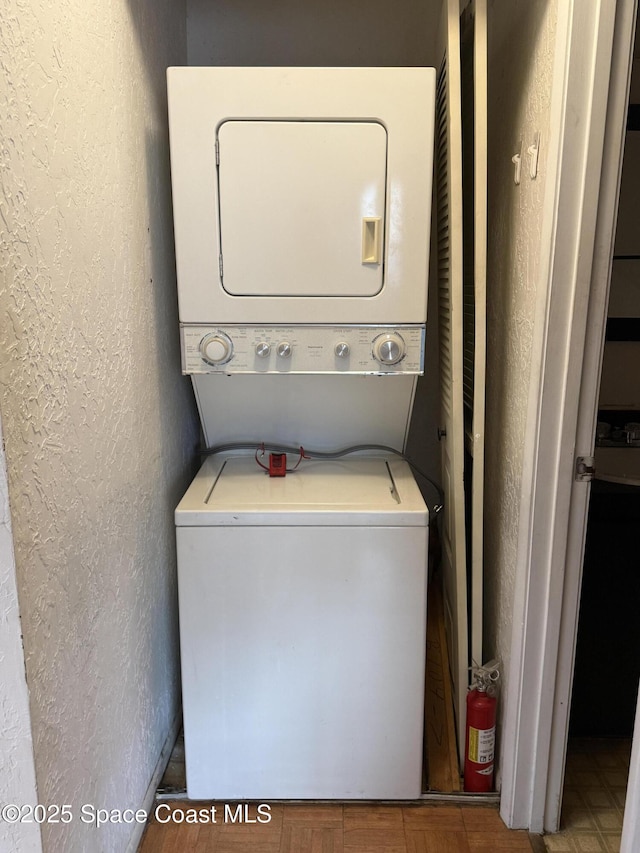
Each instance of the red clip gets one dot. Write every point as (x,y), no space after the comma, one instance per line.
(277,464)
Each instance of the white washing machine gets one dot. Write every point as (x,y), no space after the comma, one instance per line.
(303,619)
(302,201)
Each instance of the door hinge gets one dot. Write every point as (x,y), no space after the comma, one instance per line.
(217,152)
(585,469)
(220,264)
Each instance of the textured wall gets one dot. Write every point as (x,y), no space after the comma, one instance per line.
(99,424)
(521,58)
(17,771)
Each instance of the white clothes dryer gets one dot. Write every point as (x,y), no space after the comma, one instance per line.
(303,620)
(301,195)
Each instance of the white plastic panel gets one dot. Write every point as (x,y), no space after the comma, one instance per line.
(397,102)
(325,412)
(302,207)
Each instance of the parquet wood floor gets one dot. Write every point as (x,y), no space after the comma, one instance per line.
(339,828)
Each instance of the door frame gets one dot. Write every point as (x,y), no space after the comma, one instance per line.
(576,245)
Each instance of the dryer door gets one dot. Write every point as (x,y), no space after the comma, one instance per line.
(302,207)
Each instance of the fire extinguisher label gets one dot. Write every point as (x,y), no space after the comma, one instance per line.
(481,744)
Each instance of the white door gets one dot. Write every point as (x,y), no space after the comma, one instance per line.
(593,41)
(302,207)
(450,287)
(613,39)
(474,166)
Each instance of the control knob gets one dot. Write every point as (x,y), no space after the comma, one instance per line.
(389,348)
(284,349)
(216,348)
(342,349)
(263,349)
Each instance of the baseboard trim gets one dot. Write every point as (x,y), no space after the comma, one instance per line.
(150,795)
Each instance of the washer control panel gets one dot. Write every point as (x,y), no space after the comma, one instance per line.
(303,349)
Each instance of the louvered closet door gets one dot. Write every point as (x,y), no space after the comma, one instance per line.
(450,286)
(474,169)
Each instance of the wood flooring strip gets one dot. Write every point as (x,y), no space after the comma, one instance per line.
(478,819)
(433,818)
(437,842)
(374,841)
(329,816)
(180,838)
(440,737)
(307,839)
(228,845)
(373,817)
(206,842)
(499,842)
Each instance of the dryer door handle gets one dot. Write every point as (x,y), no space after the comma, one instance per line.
(371,232)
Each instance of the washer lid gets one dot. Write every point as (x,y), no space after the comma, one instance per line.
(347,492)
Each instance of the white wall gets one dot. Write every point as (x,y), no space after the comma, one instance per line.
(99,424)
(521,56)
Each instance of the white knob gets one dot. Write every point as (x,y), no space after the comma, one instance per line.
(342,349)
(389,348)
(263,349)
(216,348)
(284,349)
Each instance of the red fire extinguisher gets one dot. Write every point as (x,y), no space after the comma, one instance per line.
(481,728)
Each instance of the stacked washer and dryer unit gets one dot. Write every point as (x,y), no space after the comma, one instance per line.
(302,207)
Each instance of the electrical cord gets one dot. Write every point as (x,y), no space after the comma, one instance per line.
(325,454)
